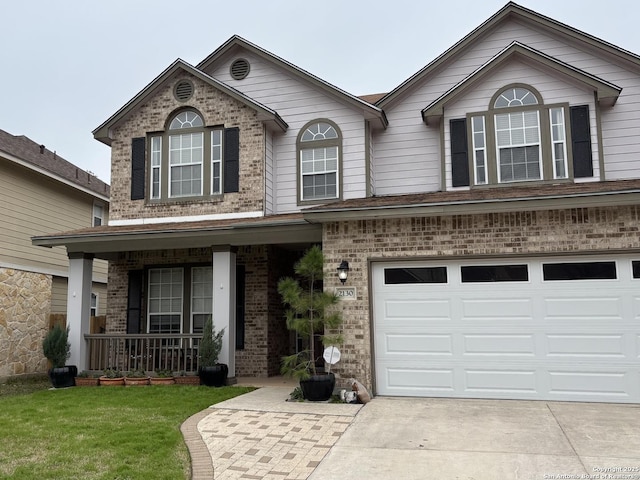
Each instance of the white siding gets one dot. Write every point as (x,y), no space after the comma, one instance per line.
(408,152)
(298,103)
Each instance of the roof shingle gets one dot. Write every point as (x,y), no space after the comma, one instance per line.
(29,151)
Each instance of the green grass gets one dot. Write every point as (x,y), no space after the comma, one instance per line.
(112,433)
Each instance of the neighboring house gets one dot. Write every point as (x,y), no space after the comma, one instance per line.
(487,206)
(40,192)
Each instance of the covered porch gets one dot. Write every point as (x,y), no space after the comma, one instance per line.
(165,279)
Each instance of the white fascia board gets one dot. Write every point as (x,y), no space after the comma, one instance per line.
(190,218)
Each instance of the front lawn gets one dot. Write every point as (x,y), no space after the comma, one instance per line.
(113,433)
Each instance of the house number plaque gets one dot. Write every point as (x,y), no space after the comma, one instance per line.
(346,293)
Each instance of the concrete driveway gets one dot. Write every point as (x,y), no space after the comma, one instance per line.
(422,439)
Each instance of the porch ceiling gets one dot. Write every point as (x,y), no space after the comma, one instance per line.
(106,241)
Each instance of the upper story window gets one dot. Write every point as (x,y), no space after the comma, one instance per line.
(520,139)
(98,215)
(189,160)
(186,155)
(319,145)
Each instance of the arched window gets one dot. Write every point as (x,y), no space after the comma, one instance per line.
(186,154)
(513,132)
(189,158)
(319,145)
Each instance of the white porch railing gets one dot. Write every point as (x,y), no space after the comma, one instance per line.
(174,352)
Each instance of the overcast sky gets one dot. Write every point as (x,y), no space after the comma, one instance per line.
(68,65)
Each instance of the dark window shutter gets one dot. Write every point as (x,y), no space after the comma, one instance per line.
(581,142)
(240,298)
(231,159)
(459,156)
(137,168)
(134,301)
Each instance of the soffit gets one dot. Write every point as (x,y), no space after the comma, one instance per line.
(106,241)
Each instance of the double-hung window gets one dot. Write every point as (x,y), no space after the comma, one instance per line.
(518,139)
(98,215)
(165,300)
(190,160)
(179,299)
(186,155)
(319,149)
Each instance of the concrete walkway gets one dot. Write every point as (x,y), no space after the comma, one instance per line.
(261,436)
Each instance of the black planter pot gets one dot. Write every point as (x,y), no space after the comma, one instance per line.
(319,387)
(214,376)
(62,377)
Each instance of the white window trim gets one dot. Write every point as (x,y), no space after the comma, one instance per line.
(91,307)
(94,216)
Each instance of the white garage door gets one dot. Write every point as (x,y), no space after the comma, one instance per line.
(542,328)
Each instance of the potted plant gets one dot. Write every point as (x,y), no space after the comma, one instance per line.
(162,377)
(87,379)
(211,373)
(310,314)
(111,377)
(184,379)
(56,348)
(137,377)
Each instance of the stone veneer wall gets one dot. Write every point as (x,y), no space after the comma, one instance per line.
(25,304)
(571,231)
(217,109)
(266,338)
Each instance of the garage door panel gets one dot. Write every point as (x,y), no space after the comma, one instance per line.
(595,346)
(500,380)
(423,380)
(582,309)
(499,345)
(497,308)
(606,385)
(415,309)
(564,340)
(418,344)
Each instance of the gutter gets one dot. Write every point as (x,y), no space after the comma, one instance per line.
(555,202)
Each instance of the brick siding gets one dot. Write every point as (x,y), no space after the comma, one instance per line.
(571,231)
(266,337)
(217,109)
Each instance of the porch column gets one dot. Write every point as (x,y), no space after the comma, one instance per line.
(79,306)
(224,303)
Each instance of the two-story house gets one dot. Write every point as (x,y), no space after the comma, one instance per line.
(487,207)
(40,192)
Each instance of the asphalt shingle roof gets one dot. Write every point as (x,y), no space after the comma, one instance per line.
(29,151)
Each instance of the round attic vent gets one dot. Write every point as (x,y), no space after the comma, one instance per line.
(183,91)
(240,69)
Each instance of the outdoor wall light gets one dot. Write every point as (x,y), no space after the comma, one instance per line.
(343,271)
